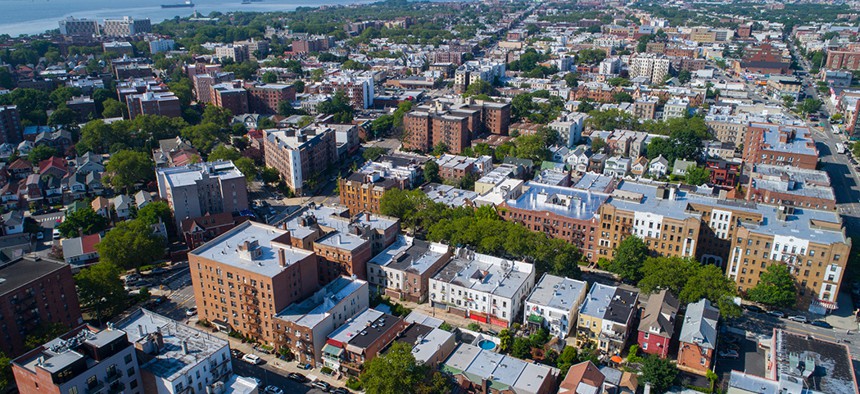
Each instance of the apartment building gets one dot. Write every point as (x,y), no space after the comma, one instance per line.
(724,172)
(559,212)
(264,98)
(811,243)
(360,340)
(246,276)
(83,360)
(299,155)
(79,27)
(403,270)
(481,287)
(35,291)
(657,324)
(783,145)
(203,84)
(645,107)
(798,187)
(126,27)
(698,339)
(455,168)
(653,67)
(554,304)
(228,96)
(727,128)
(11,130)
(676,108)
(570,128)
(163,344)
(304,327)
(477,70)
(606,318)
(363,190)
(313,44)
(358,86)
(843,60)
(236,53)
(197,189)
(149,103)
(476,370)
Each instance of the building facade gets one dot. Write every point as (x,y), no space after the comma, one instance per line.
(195,190)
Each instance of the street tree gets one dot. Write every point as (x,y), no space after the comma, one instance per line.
(131,244)
(100,289)
(83,221)
(127,167)
(659,372)
(775,288)
(629,257)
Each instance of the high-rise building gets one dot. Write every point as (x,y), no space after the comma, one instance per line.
(229,96)
(79,27)
(11,130)
(655,68)
(197,189)
(299,154)
(264,98)
(203,84)
(126,27)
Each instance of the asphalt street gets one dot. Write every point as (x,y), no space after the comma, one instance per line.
(269,376)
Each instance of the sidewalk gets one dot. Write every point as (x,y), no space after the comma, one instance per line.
(449,318)
(273,363)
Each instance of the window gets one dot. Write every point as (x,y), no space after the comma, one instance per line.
(73,390)
(130,372)
(127,358)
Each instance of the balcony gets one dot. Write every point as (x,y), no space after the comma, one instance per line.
(112,377)
(96,388)
(116,388)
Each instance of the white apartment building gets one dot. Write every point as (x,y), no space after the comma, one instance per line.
(197,189)
(554,304)
(486,288)
(651,66)
(175,357)
(676,108)
(570,128)
(611,66)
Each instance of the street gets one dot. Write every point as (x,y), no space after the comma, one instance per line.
(269,376)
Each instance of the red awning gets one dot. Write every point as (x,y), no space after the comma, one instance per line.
(826,304)
(616,359)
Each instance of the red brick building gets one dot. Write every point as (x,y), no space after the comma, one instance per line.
(264,98)
(198,231)
(228,96)
(723,172)
(698,340)
(773,144)
(844,59)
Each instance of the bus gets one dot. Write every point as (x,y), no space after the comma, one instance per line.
(840,147)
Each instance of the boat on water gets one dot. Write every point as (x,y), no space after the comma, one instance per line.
(251,1)
(186,4)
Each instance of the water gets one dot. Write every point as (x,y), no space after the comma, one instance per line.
(35,16)
(487,344)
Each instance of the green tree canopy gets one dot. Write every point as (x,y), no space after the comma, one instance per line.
(670,273)
(131,244)
(85,220)
(775,288)
(660,372)
(396,371)
(41,152)
(629,258)
(100,289)
(127,167)
(152,212)
(431,171)
(697,175)
(711,283)
(224,152)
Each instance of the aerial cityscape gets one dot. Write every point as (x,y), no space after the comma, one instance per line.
(428,197)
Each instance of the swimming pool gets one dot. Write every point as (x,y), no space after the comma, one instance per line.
(487,344)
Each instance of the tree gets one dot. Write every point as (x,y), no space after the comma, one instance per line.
(684,76)
(270,77)
(372,153)
(247,167)
(775,288)
(597,144)
(629,258)
(711,283)
(84,220)
(112,108)
(570,80)
(300,86)
(5,371)
(622,97)
(127,167)
(697,175)
(62,116)
(155,211)
(224,152)
(131,244)
(506,340)
(788,101)
(659,372)
(269,175)
(566,359)
(41,152)
(480,87)
(809,106)
(100,289)
(670,273)
(440,149)
(431,171)
(394,371)
(45,332)
(521,348)
(222,117)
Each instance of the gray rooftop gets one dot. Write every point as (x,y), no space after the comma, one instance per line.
(317,307)
(485,273)
(793,180)
(609,303)
(410,254)
(61,352)
(25,270)
(802,142)
(564,201)
(594,182)
(557,292)
(448,195)
(700,324)
(504,372)
(190,174)
(827,366)
(171,362)
(425,340)
(343,241)
(262,256)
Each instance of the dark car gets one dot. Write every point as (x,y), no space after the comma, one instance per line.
(821,323)
(297,377)
(340,390)
(159,300)
(754,308)
(236,353)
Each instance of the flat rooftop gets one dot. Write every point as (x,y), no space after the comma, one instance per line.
(190,174)
(337,218)
(833,369)
(61,352)
(24,270)
(316,308)
(484,273)
(802,142)
(410,255)
(609,303)
(564,201)
(448,195)
(425,340)
(263,260)
(557,292)
(171,362)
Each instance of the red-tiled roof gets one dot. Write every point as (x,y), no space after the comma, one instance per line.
(54,161)
(89,242)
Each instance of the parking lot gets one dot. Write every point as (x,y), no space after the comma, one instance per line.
(750,359)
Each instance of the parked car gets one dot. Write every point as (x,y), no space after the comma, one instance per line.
(297,377)
(40,235)
(236,353)
(728,354)
(779,314)
(274,390)
(191,311)
(798,318)
(340,390)
(252,359)
(324,386)
(821,323)
(754,308)
(158,270)
(305,366)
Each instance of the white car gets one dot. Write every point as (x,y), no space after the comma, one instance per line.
(799,319)
(274,390)
(191,311)
(252,359)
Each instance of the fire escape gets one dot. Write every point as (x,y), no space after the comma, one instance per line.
(250,304)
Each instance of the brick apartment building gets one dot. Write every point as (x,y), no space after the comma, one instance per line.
(203,84)
(454,125)
(724,172)
(843,60)
(229,96)
(785,145)
(11,130)
(162,104)
(798,187)
(264,98)
(33,292)
(299,155)
(313,44)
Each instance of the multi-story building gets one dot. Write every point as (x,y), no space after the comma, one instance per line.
(79,27)
(313,44)
(784,145)
(83,360)
(403,270)
(430,344)
(482,287)
(657,324)
(35,292)
(197,231)
(676,108)
(812,244)
(724,172)
(554,304)
(126,27)
(798,187)
(727,128)
(196,359)
(299,155)
(477,70)
(358,86)
(606,318)
(149,103)
(476,370)
(645,107)
(362,191)
(161,45)
(780,86)
(234,52)
(303,327)
(609,67)
(244,277)
(360,340)
(425,130)
(203,84)
(257,49)
(455,168)
(204,188)
(698,339)
(570,128)
(843,60)
(11,130)
(227,95)
(559,212)
(651,66)
(264,98)
(342,254)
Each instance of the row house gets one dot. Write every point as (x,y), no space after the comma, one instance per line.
(554,304)
(360,340)
(606,318)
(403,270)
(657,324)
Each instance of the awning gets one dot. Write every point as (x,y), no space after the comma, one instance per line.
(616,359)
(538,319)
(332,350)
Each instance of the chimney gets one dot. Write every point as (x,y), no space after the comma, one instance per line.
(367,216)
(282,258)
(140,330)
(185,347)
